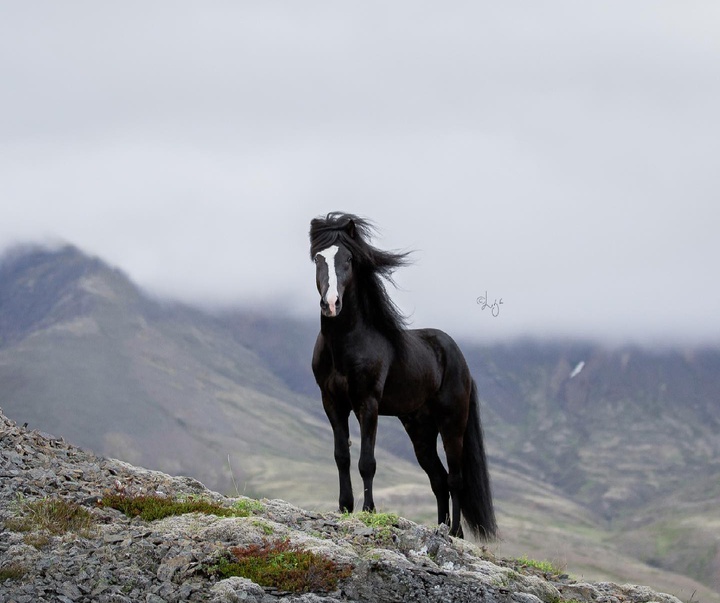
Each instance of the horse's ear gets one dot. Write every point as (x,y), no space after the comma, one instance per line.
(350,228)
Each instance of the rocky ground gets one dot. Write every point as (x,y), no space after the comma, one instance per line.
(119,559)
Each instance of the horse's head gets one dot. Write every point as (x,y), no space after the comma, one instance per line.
(344,259)
(333,273)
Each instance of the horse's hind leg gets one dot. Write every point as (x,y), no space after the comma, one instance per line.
(453,444)
(452,431)
(423,434)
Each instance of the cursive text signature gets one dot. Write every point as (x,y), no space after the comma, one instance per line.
(484,302)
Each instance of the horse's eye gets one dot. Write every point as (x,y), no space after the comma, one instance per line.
(349,260)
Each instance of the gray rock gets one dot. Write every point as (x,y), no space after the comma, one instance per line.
(237,590)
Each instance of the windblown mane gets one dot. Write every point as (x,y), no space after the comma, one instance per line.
(371,265)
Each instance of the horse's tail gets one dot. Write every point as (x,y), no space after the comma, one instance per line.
(476,499)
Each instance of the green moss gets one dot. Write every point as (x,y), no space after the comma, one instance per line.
(154,507)
(266,528)
(279,564)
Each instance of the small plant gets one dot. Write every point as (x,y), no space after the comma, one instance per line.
(13,571)
(249,506)
(152,507)
(54,515)
(266,529)
(377,520)
(279,564)
(543,566)
(382,523)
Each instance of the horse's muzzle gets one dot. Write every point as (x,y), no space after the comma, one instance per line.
(330,307)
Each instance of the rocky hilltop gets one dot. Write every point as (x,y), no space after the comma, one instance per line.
(114,557)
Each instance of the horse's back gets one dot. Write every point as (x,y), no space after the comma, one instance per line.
(456,378)
(445,347)
(434,337)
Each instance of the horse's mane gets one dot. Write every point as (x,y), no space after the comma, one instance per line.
(371,265)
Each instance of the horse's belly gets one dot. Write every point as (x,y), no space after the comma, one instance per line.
(409,387)
(394,405)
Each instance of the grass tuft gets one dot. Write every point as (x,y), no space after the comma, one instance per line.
(13,571)
(54,515)
(152,507)
(543,566)
(376,520)
(249,506)
(279,564)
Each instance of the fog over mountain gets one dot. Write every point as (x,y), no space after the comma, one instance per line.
(560,157)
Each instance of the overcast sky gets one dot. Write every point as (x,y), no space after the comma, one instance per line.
(561,156)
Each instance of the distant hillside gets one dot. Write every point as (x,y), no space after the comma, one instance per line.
(614,429)
(605,460)
(629,434)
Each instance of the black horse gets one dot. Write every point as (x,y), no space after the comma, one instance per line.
(367,362)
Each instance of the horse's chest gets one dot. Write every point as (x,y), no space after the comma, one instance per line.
(356,376)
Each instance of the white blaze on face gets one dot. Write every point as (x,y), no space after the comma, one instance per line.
(332,291)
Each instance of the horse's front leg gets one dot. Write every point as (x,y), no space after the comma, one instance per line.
(338,417)
(367,415)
